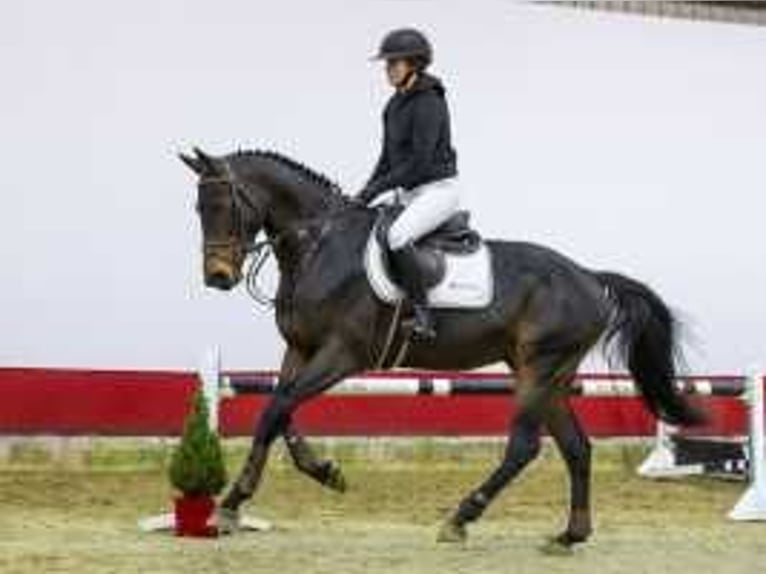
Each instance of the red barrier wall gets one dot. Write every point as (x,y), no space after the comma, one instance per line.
(128,403)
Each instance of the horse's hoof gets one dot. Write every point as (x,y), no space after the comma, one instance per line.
(554,547)
(335,479)
(558,546)
(227,521)
(452,532)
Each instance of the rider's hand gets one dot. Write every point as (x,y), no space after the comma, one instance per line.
(361,198)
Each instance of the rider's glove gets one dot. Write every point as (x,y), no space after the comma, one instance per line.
(364,197)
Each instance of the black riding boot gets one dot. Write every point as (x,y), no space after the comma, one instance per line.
(406,264)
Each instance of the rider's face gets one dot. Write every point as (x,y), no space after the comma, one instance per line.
(398,70)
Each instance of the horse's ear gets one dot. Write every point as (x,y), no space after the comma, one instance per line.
(194,164)
(208,162)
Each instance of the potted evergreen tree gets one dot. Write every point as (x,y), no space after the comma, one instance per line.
(198,472)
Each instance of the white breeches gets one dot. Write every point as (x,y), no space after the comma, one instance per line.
(427,207)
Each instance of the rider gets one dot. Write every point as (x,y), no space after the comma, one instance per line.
(417,160)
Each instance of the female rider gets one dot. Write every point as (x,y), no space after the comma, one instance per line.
(417,160)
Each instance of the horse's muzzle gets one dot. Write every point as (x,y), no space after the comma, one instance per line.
(220,276)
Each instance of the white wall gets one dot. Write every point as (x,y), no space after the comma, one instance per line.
(630,144)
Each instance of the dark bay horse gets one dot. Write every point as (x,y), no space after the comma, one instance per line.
(546,313)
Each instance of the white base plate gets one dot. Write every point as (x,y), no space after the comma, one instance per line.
(168,522)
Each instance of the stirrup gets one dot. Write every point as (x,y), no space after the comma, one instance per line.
(423,328)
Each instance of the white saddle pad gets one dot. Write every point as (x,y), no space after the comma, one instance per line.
(467,283)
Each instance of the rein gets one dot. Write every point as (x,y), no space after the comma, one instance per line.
(260,251)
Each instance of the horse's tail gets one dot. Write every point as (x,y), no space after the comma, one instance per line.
(643,333)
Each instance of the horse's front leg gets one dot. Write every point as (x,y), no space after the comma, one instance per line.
(325,472)
(330,364)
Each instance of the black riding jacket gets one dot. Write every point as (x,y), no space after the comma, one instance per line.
(416,140)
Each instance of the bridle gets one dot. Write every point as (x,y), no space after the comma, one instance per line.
(237,244)
(239,199)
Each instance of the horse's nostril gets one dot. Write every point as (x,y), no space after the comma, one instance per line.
(220,280)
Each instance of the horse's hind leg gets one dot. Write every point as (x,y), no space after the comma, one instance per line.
(325,472)
(575,448)
(522,448)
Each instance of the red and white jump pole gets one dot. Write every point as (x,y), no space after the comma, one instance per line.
(661,462)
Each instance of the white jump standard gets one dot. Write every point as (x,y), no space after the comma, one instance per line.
(209,379)
(674,456)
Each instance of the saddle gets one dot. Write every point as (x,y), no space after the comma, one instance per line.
(454,236)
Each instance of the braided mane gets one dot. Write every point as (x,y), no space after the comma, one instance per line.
(307,172)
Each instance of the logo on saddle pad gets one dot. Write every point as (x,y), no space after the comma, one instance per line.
(459,276)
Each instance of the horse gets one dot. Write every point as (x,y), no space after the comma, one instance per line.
(545,314)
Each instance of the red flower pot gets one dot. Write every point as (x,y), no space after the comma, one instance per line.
(193,513)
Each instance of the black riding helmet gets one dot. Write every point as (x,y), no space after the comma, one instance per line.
(406,43)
